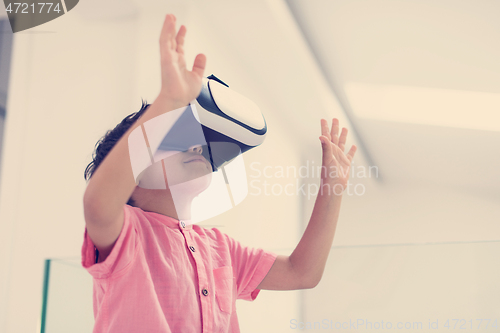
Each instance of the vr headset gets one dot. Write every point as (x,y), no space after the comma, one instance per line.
(222,121)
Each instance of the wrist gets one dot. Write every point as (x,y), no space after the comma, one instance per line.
(169,103)
(332,188)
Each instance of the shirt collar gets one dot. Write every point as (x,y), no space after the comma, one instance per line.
(170,221)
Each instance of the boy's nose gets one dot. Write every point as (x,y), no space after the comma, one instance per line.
(196,149)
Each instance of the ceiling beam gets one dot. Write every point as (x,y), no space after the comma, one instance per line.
(334,86)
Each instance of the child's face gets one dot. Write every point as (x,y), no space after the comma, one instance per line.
(177,167)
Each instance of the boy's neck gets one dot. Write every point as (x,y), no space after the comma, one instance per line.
(161,202)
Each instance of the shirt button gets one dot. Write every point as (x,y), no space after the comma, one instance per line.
(192,248)
(183,224)
(204,292)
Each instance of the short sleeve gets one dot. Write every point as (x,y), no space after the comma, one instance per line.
(121,256)
(250,266)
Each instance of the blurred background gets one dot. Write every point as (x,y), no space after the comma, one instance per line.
(417,83)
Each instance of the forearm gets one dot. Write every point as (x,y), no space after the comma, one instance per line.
(310,256)
(113,181)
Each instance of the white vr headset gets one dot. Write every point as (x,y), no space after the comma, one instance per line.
(221,120)
(225,123)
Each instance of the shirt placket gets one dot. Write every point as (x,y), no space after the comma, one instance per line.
(205,294)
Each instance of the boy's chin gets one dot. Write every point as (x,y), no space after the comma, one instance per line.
(191,187)
(153,186)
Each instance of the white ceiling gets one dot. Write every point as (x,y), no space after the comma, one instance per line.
(441,46)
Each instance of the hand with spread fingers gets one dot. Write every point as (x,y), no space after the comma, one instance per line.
(336,164)
(305,266)
(177,82)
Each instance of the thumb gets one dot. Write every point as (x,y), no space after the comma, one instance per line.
(199,64)
(326,146)
(324,141)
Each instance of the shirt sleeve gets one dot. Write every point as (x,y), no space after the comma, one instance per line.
(121,256)
(250,266)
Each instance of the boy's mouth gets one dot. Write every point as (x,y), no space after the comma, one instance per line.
(196,158)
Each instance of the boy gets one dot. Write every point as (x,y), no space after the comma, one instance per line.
(152,271)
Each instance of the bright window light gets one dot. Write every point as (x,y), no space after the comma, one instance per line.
(429,106)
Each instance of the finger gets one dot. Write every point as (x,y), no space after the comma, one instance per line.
(342,139)
(352,151)
(324,129)
(199,64)
(335,131)
(181,34)
(167,35)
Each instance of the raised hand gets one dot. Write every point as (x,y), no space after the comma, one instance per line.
(336,164)
(177,82)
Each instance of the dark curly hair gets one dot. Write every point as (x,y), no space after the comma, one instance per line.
(108,141)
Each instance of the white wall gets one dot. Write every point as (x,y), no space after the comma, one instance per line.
(67,86)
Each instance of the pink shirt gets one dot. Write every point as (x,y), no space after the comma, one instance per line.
(165,276)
